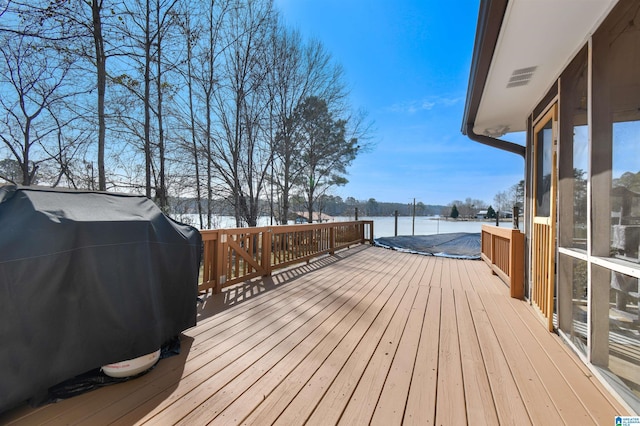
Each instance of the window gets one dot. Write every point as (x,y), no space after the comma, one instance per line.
(574,272)
(614,341)
(615,332)
(544,164)
(625,190)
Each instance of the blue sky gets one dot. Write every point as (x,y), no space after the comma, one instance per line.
(407,64)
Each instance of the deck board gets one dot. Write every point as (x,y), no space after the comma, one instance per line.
(597,401)
(508,402)
(368,336)
(317,371)
(382,370)
(568,405)
(393,398)
(282,384)
(254,382)
(477,389)
(421,400)
(450,408)
(333,402)
(537,401)
(282,333)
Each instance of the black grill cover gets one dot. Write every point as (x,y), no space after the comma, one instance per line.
(87,279)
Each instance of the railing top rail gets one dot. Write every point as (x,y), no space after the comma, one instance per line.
(499,231)
(283,228)
(209,234)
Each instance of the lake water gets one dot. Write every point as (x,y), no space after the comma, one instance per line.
(382,226)
(385,226)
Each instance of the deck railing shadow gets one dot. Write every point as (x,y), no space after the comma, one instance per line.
(214,303)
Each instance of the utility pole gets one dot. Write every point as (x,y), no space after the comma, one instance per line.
(413,225)
(396,223)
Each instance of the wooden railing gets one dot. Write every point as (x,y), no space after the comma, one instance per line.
(235,255)
(543,268)
(503,250)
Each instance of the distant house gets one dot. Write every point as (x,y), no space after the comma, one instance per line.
(482,214)
(567,74)
(303,217)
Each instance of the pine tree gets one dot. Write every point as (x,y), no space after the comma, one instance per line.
(491,213)
(454,212)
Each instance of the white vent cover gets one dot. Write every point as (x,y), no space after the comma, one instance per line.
(521,77)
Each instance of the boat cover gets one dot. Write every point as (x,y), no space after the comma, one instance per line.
(456,245)
(87,279)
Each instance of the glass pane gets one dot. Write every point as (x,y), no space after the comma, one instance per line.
(624,77)
(580,167)
(580,144)
(625,191)
(578,277)
(623,336)
(544,161)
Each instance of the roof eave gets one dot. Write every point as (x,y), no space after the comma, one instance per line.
(490,18)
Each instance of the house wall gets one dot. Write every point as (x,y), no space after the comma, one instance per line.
(598,222)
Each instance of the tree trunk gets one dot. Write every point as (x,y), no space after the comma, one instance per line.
(26,176)
(162,190)
(192,119)
(147,95)
(101,69)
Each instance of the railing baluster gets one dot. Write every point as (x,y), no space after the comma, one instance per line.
(263,249)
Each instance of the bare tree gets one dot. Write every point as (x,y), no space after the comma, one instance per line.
(84,34)
(191,33)
(146,25)
(289,84)
(501,201)
(164,22)
(10,171)
(211,53)
(34,83)
(298,71)
(216,99)
(65,149)
(100,57)
(242,81)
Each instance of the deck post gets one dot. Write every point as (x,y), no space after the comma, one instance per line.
(266,252)
(516,264)
(332,240)
(493,255)
(221,261)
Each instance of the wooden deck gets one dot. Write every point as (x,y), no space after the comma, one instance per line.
(368,336)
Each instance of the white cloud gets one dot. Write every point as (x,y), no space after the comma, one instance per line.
(427,104)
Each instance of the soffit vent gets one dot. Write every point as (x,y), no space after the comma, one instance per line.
(521,77)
